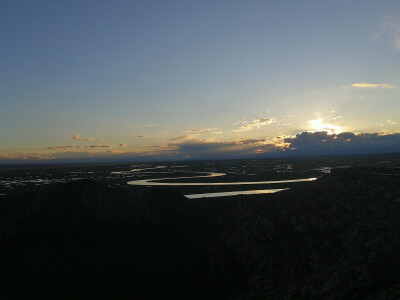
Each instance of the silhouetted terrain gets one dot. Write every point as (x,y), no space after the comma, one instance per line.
(336,237)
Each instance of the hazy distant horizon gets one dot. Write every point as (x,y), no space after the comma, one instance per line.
(83,162)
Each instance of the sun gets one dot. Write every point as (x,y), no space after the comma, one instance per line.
(319,125)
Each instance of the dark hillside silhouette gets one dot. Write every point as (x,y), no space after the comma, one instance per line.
(337,237)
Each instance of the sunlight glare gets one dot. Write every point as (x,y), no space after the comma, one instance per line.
(318,125)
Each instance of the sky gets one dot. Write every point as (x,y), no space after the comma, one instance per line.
(166,80)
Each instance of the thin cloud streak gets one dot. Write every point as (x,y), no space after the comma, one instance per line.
(255,124)
(97,146)
(197,130)
(76,137)
(372,85)
(202,130)
(64,147)
(181,138)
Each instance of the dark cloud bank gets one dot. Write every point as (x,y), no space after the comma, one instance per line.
(303,144)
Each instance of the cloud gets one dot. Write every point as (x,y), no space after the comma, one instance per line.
(76,137)
(79,154)
(127,125)
(201,130)
(372,85)
(24,156)
(198,130)
(65,147)
(241,148)
(392,122)
(52,157)
(62,147)
(97,146)
(391,30)
(250,141)
(316,143)
(246,126)
(318,125)
(304,143)
(190,137)
(181,137)
(143,136)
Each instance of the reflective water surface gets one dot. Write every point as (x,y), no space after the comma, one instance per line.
(161,182)
(154,181)
(234,193)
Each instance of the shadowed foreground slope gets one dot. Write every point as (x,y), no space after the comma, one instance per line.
(336,237)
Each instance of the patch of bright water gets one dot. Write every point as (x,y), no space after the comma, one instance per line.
(224,194)
(139,170)
(153,181)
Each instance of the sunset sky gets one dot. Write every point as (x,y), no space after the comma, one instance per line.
(133,80)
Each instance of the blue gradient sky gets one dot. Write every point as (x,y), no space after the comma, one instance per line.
(146,77)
